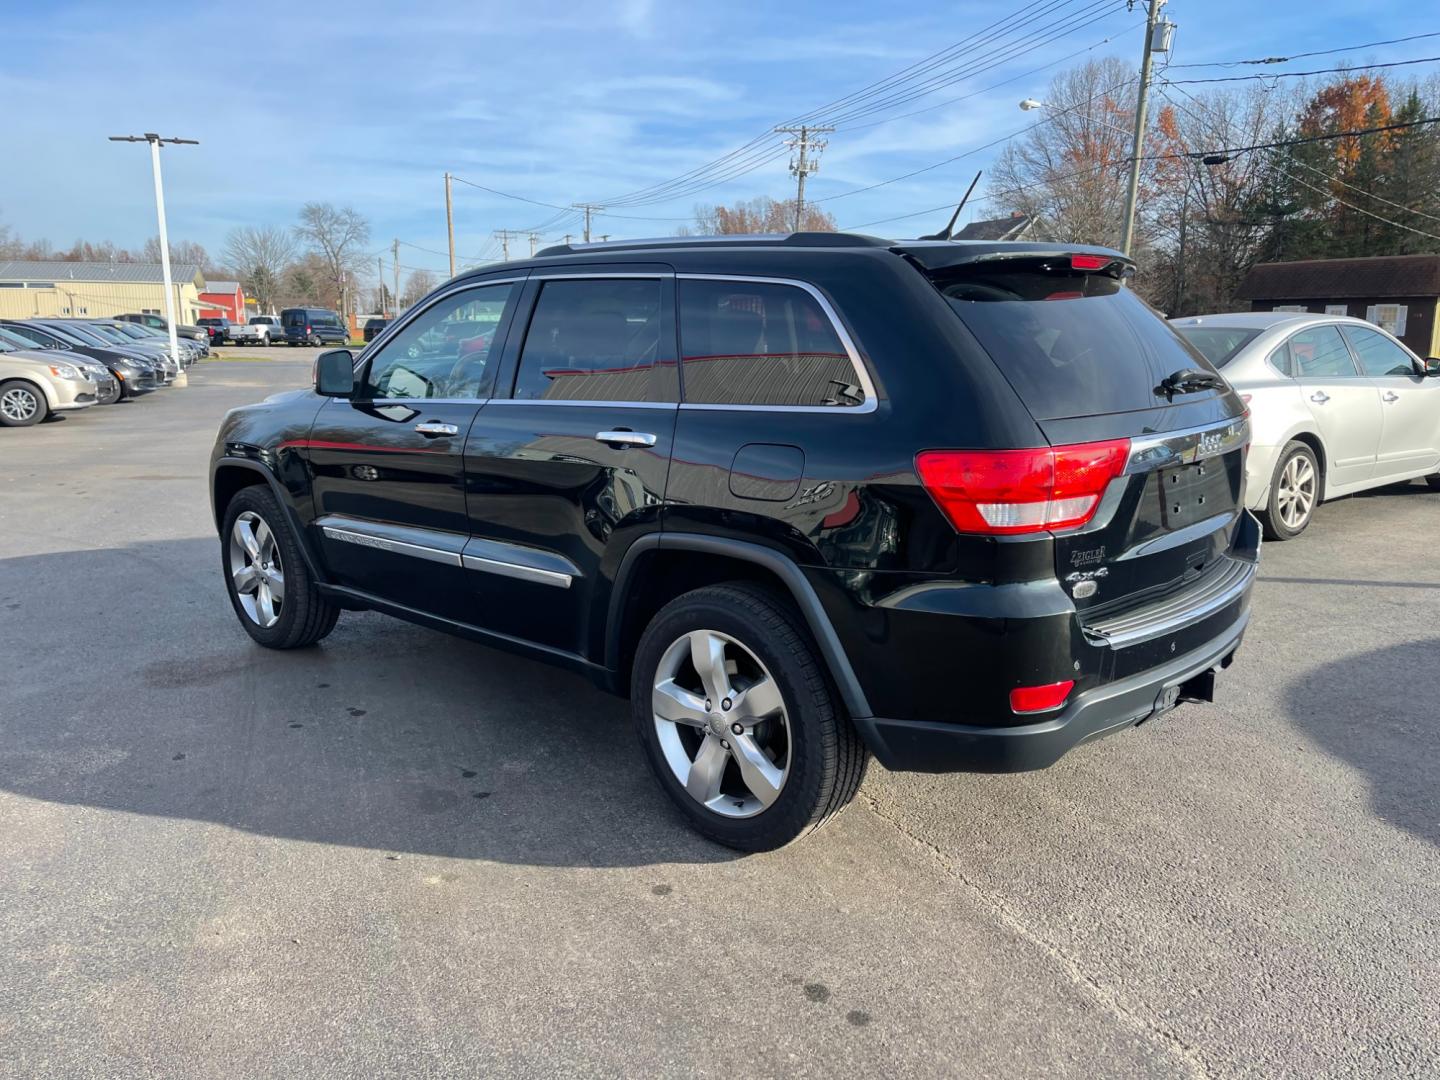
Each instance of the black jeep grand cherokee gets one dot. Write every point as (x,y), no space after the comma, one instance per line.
(803,499)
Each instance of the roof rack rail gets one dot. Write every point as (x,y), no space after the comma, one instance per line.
(794,239)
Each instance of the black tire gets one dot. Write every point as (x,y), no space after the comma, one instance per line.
(826,759)
(1434,481)
(113,396)
(1273,517)
(314,341)
(305,615)
(29,405)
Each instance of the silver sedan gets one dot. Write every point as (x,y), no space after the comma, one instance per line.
(1337,406)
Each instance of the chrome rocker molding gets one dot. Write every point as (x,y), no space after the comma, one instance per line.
(452,549)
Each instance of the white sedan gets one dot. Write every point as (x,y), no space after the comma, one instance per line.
(1337,406)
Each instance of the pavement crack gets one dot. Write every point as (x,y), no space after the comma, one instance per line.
(1187,1052)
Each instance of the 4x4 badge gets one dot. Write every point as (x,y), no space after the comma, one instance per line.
(1083,584)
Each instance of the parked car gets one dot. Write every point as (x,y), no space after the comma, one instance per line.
(191,350)
(156,322)
(373,327)
(961,506)
(59,338)
(313,326)
(109,386)
(218,329)
(34,384)
(80,333)
(260,330)
(1338,406)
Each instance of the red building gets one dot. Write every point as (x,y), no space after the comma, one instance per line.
(223,299)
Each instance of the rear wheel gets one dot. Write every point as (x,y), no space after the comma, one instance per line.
(1294,493)
(21,404)
(739,721)
(1434,481)
(270,585)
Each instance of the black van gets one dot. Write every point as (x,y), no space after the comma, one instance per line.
(313,326)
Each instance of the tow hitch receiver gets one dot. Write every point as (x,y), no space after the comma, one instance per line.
(1199,687)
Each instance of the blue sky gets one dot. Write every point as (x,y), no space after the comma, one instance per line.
(367,104)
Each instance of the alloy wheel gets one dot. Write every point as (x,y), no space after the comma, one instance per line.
(1296,497)
(722,723)
(19,404)
(255,569)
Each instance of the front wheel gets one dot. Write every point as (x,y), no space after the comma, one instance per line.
(739,721)
(21,404)
(1433,480)
(270,585)
(1294,493)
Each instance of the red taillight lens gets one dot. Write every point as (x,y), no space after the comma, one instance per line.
(1007,492)
(1090,262)
(1035,699)
(307,329)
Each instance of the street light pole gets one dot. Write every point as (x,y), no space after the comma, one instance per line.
(155,141)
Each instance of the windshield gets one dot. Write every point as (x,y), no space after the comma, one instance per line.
(109,333)
(1219,344)
(74,334)
(1070,343)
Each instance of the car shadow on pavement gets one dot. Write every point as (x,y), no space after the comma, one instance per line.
(386,736)
(1374,711)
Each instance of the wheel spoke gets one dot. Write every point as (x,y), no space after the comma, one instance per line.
(265,604)
(247,579)
(678,705)
(276,581)
(264,539)
(757,701)
(756,770)
(706,770)
(707,653)
(246,532)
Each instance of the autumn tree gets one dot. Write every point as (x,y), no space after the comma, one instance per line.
(760,215)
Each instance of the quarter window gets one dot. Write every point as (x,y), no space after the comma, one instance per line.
(1379,356)
(761,343)
(596,340)
(445,351)
(1320,353)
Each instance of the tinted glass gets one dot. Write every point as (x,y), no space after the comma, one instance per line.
(1071,344)
(24,338)
(1280,360)
(79,334)
(756,343)
(1218,344)
(1320,353)
(109,333)
(445,351)
(592,341)
(1379,355)
(293,317)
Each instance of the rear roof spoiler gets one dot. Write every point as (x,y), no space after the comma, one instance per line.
(947,254)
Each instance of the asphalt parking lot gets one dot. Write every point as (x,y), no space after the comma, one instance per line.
(404,853)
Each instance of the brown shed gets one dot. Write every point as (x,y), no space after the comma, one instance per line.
(1398,292)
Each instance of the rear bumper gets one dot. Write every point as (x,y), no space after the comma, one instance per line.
(923,746)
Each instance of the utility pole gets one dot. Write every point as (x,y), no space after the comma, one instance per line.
(395,269)
(589,208)
(505,235)
(1142,102)
(380,283)
(534,239)
(802,165)
(450,224)
(155,141)
(568,238)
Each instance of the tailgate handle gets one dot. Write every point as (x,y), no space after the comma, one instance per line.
(1319,397)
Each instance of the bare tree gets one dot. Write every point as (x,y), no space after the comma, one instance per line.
(417,285)
(760,215)
(261,255)
(181,251)
(336,235)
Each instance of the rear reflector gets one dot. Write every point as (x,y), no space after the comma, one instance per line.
(1035,699)
(1009,492)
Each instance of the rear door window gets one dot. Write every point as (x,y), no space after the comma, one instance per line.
(762,343)
(1070,343)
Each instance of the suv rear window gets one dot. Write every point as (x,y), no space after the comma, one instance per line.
(1218,344)
(1070,343)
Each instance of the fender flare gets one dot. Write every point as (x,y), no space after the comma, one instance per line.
(832,652)
(302,535)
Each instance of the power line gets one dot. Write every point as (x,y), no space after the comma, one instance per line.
(1302,74)
(1303,55)
(1367,194)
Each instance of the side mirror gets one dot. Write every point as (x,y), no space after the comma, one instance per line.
(335,373)
(1432,367)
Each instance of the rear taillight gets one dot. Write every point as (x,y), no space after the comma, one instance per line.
(1009,492)
(1038,699)
(307,329)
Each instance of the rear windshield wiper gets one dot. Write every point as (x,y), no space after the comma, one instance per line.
(1189,381)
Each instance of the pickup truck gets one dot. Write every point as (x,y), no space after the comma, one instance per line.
(218,328)
(260,330)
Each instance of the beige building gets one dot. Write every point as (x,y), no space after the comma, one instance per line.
(96,289)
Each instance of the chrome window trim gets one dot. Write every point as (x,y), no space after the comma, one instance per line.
(591,404)
(862,369)
(603,275)
(396,325)
(1187,446)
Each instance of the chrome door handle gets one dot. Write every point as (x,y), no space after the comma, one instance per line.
(625,438)
(1390,395)
(1320,397)
(434,427)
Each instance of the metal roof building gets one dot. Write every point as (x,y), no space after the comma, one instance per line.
(30,288)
